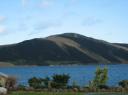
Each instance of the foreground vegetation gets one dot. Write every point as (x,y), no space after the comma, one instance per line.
(63,93)
(100,93)
(61,81)
(45,93)
(58,85)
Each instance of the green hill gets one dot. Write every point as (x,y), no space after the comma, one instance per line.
(68,48)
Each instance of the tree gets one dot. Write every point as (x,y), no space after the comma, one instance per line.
(123,83)
(60,80)
(39,82)
(10,82)
(35,82)
(45,82)
(101,77)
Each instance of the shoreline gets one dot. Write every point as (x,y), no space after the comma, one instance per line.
(67,65)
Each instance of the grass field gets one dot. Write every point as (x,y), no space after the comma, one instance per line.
(107,94)
(45,93)
(62,93)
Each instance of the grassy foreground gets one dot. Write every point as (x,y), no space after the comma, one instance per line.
(45,93)
(62,93)
(108,94)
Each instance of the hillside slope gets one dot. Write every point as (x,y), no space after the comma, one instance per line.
(68,48)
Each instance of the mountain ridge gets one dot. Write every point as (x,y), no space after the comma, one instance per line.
(63,49)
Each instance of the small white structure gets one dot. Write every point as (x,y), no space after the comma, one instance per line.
(3,91)
(3,79)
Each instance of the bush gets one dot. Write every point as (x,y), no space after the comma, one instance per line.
(21,87)
(10,82)
(0,85)
(103,87)
(60,80)
(123,83)
(37,83)
(101,77)
(45,82)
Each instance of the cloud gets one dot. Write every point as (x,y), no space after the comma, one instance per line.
(69,13)
(2,29)
(90,21)
(45,26)
(73,1)
(24,3)
(46,3)
(2,19)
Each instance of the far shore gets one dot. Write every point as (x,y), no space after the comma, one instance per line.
(7,64)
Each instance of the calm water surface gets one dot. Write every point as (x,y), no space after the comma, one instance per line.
(81,74)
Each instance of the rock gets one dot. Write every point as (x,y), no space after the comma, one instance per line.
(3,91)
(75,89)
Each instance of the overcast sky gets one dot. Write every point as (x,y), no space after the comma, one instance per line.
(26,19)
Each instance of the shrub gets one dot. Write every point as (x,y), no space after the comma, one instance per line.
(101,77)
(35,82)
(45,82)
(103,87)
(60,80)
(10,82)
(123,83)
(0,85)
(21,87)
(38,82)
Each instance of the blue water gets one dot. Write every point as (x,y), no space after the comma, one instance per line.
(80,74)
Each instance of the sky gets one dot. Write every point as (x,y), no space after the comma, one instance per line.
(27,19)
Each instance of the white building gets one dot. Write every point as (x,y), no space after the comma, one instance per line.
(3,79)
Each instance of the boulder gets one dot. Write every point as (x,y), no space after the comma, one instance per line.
(3,91)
